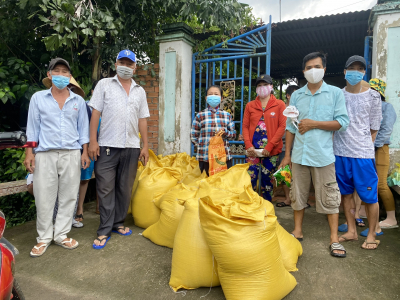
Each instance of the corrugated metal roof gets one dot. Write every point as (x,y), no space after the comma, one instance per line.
(340,36)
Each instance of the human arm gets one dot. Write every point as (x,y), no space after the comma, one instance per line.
(245,128)
(83,131)
(386,128)
(195,130)
(375,116)
(94,149)
(144,153)
(373,135)
(32,132)
(308,124)
(289,142)
(277,138)
(230,132)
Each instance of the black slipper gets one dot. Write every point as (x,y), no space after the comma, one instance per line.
(299,239)
(282,204)
(337,246)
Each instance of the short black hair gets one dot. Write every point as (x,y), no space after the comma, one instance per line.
(314,55)
(94,84)
(214,86)
(291,88)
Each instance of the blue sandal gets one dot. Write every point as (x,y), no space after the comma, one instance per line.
(343,228)
(365,232)
(98,247)
(360,223)
(123,228)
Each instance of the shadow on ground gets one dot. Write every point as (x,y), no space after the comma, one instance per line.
(135,268)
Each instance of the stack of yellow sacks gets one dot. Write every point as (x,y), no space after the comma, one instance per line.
(221,231)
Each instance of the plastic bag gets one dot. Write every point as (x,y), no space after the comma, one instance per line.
(163,231)
(193,264)
(394,177)
(291,248)
(243,239)
(135,184)
(283,175)
(152,186)
(292,113)
(217,154)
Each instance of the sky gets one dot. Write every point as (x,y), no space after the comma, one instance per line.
(301,9)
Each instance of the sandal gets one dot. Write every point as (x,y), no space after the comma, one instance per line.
(38,248)
(343,228)
(98,247)
(360,223)
(62,244)
(377,242)
(337,246)
(384,225)
(123,228)
(299,239)
(365,233)
(282,204)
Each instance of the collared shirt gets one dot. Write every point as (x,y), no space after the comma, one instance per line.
(365,113)
(55,128)
(204,126)
(120,113)
(388,119)
(315,147)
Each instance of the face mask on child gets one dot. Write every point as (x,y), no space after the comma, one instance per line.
(213,100)
(264,90)
(353,77)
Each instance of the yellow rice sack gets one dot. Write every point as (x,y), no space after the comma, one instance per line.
(235,178)
(135,184)
(163,231)
(193,265)
(151,186)
(244,242)
(291,248)
(193,179)
(188,165)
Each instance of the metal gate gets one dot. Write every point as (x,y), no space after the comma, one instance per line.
(240,59)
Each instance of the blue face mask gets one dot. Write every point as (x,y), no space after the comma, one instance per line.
(213,100)
(353,77)
(60,81)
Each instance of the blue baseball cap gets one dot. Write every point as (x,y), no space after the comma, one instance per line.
(128,54)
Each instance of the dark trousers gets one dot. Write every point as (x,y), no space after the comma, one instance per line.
(205,165)
(115,174)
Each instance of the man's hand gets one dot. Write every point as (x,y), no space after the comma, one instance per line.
(144,155)
(251,152)
(29,162)
(85,160)
(94,150)
(286,161)
(265,153)
(306,125)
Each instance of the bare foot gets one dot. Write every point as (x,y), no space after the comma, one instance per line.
(297,235)
(370,245)
(122,230)
(337,251)
(387,223)
(348,237)
(70,243)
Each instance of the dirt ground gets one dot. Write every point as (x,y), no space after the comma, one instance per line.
(135,268)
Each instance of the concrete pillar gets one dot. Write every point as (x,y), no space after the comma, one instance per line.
(385,20)
(175,88)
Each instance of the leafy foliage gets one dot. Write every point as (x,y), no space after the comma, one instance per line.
(17,208)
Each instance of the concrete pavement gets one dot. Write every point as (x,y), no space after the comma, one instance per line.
(135,268)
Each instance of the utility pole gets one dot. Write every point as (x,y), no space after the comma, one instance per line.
(280,10)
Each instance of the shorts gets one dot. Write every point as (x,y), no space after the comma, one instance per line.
(357,174)
(86,174)
(327,195)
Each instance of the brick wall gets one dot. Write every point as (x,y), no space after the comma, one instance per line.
(151,88)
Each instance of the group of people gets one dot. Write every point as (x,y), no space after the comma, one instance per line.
(332,148)
(58,122)
(340,146)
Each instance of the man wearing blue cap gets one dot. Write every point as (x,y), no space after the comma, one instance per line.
(123,107)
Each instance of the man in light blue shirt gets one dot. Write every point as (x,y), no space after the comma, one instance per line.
(322,111)
(58,122)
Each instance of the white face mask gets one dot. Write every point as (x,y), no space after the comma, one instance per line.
(124,72)
(314,75)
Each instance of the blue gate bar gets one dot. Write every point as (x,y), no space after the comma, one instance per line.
(230,49)
(227,58)
(367,75)
(220,69)
(268,70)
(250,75)
(235,67)
(213,81)
(227,70)
(239,37)
(239,45)
(207,76)
(241,98)
(248,43)
(258,66)
(225,54)
(253,42)
(257,40)
(200,68)
(262,38)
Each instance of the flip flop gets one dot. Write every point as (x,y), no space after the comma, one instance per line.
(337,246)
(123,228)
(387,227)
(365,233)
(345,239)
(377,242)
(360,223)
(98,247)
(282,204)
(343,228)
(299,239)
(38,248)
(62,244)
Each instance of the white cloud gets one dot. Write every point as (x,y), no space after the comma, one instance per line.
(301,9)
